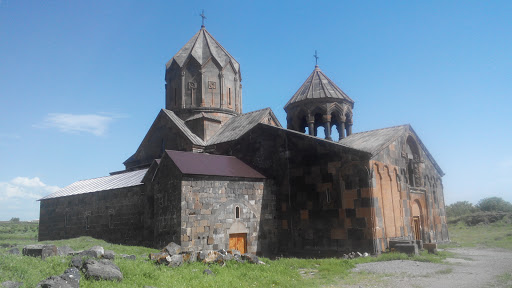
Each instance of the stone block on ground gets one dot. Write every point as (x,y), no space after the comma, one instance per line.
(53,282)
(176,260)
(251,258)
(430,247)
(40,250)
(109,254)
(172,249)
(410,249)
(76,262)
(128,257)
(95,252)
(102,270)
(208,272)
(156,256)
(189,256)
(11,284)
(214,257)
(393,243)
(64,251)
(14,251)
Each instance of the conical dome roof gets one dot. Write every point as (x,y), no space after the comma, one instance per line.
(319,86)
(202,46)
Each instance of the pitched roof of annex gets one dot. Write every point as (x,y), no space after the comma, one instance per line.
(121,180)
(212,165)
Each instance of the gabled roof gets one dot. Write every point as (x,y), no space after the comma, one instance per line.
(214,165)
(239,125)
(375,140)
(202,47)
(122,180)
(181,125)
(318,86)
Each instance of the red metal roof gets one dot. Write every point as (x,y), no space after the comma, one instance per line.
(208,164)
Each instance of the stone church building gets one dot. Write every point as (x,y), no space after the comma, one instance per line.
(208,176)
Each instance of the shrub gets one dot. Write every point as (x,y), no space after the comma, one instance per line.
(460,208)
(494,204)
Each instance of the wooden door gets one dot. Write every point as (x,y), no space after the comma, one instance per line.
(416,225)
(238,242)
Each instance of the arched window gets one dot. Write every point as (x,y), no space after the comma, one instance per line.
(413,163)
(237,212)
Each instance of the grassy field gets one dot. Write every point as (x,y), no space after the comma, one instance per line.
(493,235)
(285,272)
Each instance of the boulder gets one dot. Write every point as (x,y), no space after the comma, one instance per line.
(54,282)
(40,250)
(102,270)
(189,256)
(128,257)
(201,255)
(227,257)
(156,256)
(14,251)
(109,254)
(64,251)
(234,252)
(251,258)
(238,258)
(172,249)
(72,277)
(95,252)
(213,257)
(176,260)
(430,247)
(411,249)
(11,284)
(76,262)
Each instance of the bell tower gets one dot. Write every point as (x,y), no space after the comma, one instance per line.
(319,102)
(203,84)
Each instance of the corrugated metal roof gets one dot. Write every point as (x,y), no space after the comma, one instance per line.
(132,178)
(183,127)
(318,86)
(375,140)
(239,125)
(214,165)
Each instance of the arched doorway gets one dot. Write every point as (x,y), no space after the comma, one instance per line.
(416,220)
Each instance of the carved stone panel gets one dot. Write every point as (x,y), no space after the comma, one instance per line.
(212,85)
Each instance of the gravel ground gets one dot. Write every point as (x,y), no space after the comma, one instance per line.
(470,267)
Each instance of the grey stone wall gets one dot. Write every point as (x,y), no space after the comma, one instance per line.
(114,216)
(208,212)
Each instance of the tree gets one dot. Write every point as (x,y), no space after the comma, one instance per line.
(494,204)
(460,208)
(15,219)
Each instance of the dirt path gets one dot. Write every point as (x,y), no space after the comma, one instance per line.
(470,267)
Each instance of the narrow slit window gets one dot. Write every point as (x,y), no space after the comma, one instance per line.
(229,96)
(86,222)
(237,212)
(110,222)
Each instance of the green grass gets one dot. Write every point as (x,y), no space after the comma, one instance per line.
(284,272)
(498,234)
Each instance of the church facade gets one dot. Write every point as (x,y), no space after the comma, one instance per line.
(208,176)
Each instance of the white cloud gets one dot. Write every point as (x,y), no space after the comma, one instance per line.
(71,123)
(18,197)
(25,188)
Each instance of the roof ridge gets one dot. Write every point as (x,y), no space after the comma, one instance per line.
(373,130)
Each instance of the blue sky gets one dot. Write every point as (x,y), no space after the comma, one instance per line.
(82,81)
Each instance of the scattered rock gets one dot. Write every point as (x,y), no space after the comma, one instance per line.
(102,270)
(201,256)
(11,284)
(189,256)
(214,257)
(14,251)
(53,282)
(228,257)
(109,254)
(76,262)
(208,272)
(156,256)
(172,249)
(95,251)
(234,252)
(72,277)
(40,250)
(365,254)
(251,258)
(64,251)
(165,259)
(222,252)
(176,260)
(128,257)
(6,245)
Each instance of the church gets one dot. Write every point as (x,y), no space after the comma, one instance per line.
(209,176)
